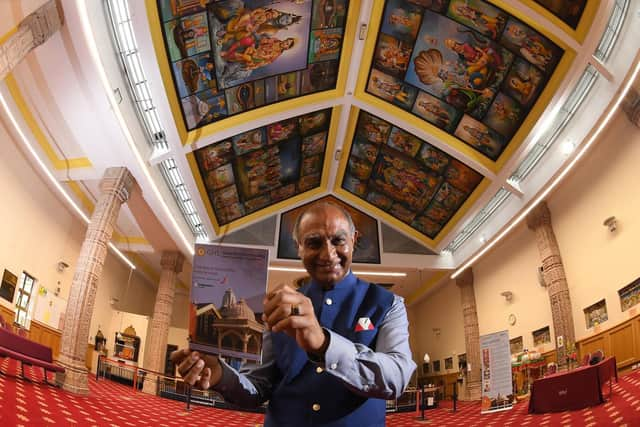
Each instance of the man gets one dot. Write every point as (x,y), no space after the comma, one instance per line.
(337,348)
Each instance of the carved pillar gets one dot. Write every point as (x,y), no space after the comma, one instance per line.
(115,186)
(631,106)
(539,220)
(156,348)
(471,333)
(35,29)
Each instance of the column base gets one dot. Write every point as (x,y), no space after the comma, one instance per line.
(75,379)
(149,387)
(474,390)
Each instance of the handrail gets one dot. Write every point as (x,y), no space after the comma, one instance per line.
(135,369)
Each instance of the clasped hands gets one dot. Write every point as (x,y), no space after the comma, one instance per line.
(285,310)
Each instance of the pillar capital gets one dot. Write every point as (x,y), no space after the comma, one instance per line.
(631,106)
(44,22)
(540,215)
(32,31)
(465,278)
(118,181)
(172,260)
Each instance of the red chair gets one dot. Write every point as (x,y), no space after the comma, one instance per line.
(585,359)
(596,357)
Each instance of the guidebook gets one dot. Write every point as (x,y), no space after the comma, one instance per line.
(228,284)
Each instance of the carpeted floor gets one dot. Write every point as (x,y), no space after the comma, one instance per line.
(32,403)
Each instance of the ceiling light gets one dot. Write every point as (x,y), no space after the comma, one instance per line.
(567,147)
(363,273)
(288,269)
(92,45)
(380,273)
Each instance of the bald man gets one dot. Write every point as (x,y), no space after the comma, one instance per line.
(335,349)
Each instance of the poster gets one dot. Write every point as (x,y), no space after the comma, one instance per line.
(228,284)
(49,308)
(495,360)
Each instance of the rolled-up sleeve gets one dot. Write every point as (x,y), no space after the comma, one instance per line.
(383,372)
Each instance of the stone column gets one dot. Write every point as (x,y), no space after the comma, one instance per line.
(115,186)
(471,333)
(631,106)
(539,220)
(156,348)
(35,29)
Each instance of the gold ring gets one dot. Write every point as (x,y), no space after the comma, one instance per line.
(295,310)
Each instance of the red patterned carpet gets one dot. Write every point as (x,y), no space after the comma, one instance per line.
(32,403)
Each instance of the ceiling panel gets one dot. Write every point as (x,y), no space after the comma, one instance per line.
(405,178)
(467,71)
(223,59)
(253,171)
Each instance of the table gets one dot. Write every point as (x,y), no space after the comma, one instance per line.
(570,390)
(607,369)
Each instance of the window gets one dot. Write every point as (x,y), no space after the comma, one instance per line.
(27,285)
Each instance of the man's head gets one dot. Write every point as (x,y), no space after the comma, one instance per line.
(325,236)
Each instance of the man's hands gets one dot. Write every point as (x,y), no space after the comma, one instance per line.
(201,370)
(204,371)
(303,326)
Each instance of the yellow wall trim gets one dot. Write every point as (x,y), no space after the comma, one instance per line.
(430,283)
(56,162)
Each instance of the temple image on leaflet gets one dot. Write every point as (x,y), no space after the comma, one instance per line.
(231,329)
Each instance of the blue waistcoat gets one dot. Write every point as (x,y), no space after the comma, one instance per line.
(302,386)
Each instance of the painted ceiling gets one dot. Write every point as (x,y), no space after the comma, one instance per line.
(471,76)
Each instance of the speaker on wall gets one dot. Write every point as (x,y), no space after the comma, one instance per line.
(541,280)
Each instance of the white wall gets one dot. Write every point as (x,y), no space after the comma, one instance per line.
(440,312)
(512,266)
(38,231)
(598,262)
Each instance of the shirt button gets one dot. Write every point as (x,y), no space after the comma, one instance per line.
(316,407)
(319,370)
(334,366)
(366,387)
(328,301)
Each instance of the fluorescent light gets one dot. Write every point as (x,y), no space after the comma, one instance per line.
(288,269)
(51,178)
(121,255)
(567,147)
(95,56)
(380,273)
(559,178)
(364,273)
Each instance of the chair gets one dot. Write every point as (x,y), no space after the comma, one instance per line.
(596,357)
(552,368)
(586,359)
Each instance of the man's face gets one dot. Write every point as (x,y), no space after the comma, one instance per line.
(326,245)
